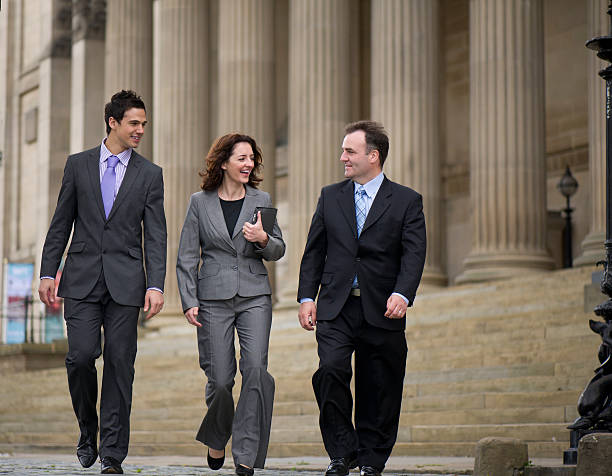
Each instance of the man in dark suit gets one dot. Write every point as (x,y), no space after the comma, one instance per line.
(110,195)
(364,256)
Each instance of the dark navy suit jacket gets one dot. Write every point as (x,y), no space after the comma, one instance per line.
(387,257)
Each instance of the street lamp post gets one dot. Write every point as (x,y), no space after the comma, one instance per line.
(567,186)
(594,404)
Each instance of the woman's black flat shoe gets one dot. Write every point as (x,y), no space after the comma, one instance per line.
(244,471)
(215,463)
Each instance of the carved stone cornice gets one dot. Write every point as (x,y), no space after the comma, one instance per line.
(61,39)
(88,19)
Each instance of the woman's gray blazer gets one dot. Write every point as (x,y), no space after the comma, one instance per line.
(230,265)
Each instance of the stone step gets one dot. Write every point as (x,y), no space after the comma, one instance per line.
(288,449)
(311,434)
(297,391)
(189,419)
(458,433)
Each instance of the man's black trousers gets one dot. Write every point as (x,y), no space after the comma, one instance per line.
(380,363)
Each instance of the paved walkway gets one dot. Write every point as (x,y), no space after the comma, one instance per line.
(52,464)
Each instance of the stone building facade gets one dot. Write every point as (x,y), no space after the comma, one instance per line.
(486,102)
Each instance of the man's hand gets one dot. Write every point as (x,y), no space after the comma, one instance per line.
(191,315)
(154,301)
(255,232)
(396,307)
(46,291)
(308,315)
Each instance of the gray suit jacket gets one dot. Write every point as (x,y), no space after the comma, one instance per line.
(229,265)
(114,244)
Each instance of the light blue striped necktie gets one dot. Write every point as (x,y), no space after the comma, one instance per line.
(360,208)
(360,215)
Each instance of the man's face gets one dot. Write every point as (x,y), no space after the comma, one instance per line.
(359,166)
(130,130)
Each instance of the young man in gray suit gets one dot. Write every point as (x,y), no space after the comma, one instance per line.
(113,198)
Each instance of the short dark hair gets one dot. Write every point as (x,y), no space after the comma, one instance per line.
(119,103)
(220,152)
(375,135)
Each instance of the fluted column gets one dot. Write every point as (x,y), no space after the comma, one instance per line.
(598,23)
(87,86)
(129,55)
(181,129)
(246,80)
(507,159)
(405,52)
(246,76)
(320,104)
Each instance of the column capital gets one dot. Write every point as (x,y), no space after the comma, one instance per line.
(88,19)
(61,31)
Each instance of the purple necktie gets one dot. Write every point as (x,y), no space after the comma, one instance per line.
(108,184)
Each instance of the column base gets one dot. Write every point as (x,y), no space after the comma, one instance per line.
(593,249)
(433,276)
(492,267)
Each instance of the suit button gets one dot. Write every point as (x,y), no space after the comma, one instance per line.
(103,252)
(106,227)
(234,267)
(358,259)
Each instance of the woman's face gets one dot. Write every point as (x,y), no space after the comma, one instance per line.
(240,164)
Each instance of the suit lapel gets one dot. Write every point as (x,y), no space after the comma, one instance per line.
(246,212)
(212,206)
(346,200)
(93,169)
(133,169)
(379,205)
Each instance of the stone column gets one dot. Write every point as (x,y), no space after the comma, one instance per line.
(598,23)
(7,46)
(129,56)
(321,103)
(247,80)
(51,132)
(87,86)
(181,128)
(507,156)
(246,76)
(405,96)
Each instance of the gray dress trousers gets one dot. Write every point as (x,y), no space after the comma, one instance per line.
(224,276)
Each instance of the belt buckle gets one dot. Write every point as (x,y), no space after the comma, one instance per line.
(355,292)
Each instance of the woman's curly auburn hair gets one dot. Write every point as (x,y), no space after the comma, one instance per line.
(220,152)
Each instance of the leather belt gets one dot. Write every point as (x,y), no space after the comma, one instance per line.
(355,292)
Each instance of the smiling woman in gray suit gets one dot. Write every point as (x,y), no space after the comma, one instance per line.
(231,290)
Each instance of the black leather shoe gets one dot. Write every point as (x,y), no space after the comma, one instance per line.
(369,471)
(244,471)
(338,467)
(215,463)
(87,454)
(111,466)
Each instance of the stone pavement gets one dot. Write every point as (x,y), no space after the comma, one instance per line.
(52,464)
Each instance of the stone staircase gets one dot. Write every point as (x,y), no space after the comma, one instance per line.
(496,359)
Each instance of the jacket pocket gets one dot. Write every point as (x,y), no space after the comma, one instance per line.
(257,267)
(207,270)
(135,253)
(76,247)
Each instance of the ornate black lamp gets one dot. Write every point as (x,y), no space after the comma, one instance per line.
(567,186)
(595,402)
